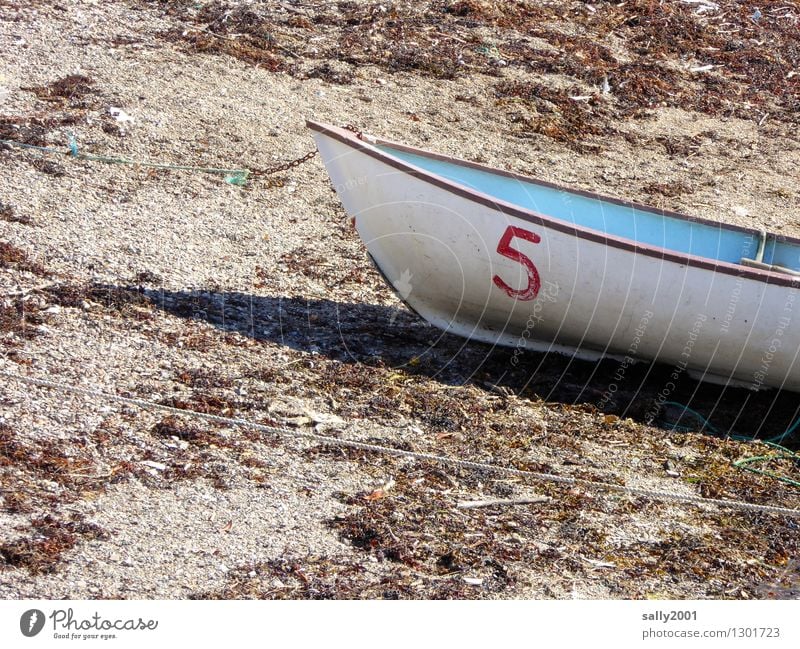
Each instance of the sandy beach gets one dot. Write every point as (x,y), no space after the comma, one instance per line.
(256,300)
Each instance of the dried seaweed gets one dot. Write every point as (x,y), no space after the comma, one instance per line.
(724,562)
(15,258)
(121,300)
(48,167)
(9,214)
(752,64)
(238,31)
(209,402)
(206,451)
(41,552)
(554,112)
(30,470)
(309,577)
(34,129)
(312,266)
(147,277)
(670,190)
(63,102)
(20,320)
(330,73)
(173,427)
(415,526)
(71,87)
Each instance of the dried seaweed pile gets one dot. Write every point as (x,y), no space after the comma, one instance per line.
(14,258)
(20,316)
(9,213)
(604,62)
(49,538)
(595,65)
(407,521)
(64,102)
(414,539)
(418,542)
(37,475)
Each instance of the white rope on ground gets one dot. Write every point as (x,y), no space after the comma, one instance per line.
(429,457)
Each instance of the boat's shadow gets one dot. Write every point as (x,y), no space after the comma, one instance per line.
(394,337)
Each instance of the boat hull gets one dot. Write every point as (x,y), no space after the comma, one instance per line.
(488,272)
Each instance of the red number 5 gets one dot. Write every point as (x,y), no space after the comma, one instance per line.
(505,249)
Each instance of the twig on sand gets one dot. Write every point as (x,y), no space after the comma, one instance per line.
(474,504)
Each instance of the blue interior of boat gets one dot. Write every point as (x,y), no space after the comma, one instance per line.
(648,227)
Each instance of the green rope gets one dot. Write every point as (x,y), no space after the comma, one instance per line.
(232,176)
(777,439)
(742,464)
(784,453)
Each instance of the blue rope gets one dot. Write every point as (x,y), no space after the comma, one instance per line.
(22,145)
(777,439)
(73,145)
(232,176)
(694,413)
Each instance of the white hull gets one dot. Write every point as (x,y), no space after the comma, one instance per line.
(444,254)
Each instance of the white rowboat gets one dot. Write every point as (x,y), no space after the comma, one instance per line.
(504,259)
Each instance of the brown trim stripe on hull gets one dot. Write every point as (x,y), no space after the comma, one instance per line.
(766,277)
